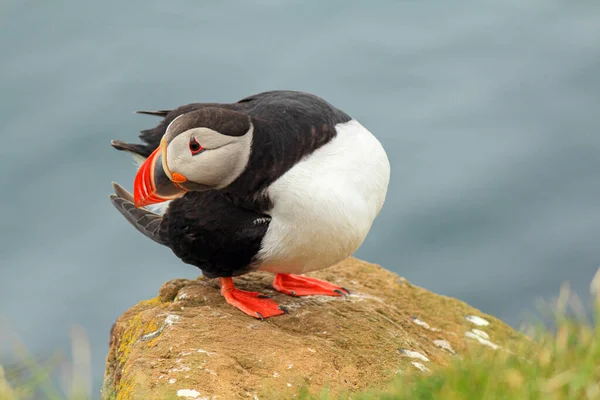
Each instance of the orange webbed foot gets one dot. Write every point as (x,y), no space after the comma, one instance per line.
(298,285)
(254,304)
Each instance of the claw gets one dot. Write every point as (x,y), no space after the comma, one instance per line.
(260,316)
(341,293)
(346,290)
(284,309)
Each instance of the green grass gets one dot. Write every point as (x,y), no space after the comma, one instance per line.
(560,363)
(51,378)
(565,366)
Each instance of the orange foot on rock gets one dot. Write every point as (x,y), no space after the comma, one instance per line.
(298,285)
(254,304)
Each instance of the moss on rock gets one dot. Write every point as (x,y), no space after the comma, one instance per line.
(6,391)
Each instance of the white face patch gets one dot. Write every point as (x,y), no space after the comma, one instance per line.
(223,159)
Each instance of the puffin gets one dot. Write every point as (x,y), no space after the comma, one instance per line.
(280,181)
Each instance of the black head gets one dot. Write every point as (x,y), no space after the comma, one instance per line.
(200,150)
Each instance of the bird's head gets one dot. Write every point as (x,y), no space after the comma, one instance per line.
(200,150)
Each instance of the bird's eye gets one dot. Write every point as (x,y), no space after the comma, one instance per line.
(195,147)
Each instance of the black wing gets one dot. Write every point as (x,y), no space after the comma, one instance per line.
(203,229)
(142,219)
(207,230)
(288,125)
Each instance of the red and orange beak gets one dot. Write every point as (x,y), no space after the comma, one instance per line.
(154,183)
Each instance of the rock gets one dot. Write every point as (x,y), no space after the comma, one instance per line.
(188,343)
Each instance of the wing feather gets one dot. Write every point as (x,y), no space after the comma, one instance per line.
(142,219)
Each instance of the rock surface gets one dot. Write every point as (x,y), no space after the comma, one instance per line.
(188,343)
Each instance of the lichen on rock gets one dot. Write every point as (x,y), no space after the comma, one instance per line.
(189,343)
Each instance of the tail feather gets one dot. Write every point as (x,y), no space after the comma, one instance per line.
(150,137)
(157,113)
(130,147)
(142,219)
(139,152)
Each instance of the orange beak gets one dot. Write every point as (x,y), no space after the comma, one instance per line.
(154,183)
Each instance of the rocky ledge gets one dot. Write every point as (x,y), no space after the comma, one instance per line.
(188,343)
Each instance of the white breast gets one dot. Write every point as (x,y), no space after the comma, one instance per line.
(324,206)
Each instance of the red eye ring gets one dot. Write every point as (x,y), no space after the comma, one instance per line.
(195,147)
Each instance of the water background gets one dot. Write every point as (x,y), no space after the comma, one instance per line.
(489,111)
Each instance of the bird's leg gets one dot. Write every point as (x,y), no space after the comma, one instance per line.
(252,303)
(298,285)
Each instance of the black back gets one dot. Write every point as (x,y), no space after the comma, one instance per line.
(287,126)
(218,231)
